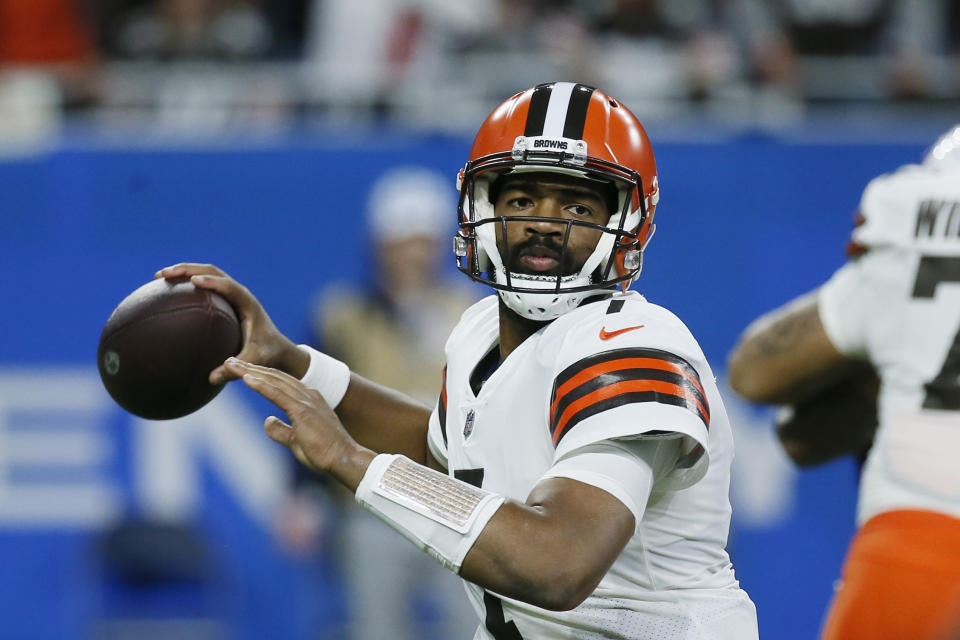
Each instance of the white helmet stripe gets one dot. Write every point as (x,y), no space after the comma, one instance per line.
(557,109)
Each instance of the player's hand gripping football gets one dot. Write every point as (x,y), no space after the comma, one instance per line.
(263,344)
(315,434)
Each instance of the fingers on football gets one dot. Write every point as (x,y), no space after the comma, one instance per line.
(187,269)
(226,286)
(247,308)
(238,295)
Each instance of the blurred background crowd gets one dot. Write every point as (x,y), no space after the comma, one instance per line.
(253,65)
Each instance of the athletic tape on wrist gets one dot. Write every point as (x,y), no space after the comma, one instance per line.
(441,515)
(327,375)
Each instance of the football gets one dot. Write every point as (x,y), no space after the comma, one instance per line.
(161,343)
(839,420)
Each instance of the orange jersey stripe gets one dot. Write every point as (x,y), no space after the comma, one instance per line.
(619,388)
(617,365)
(443,389)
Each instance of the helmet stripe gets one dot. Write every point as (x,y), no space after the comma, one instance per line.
(538,110)
(557,109)
(577,112)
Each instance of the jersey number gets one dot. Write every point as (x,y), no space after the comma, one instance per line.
(943,392)
(498,626)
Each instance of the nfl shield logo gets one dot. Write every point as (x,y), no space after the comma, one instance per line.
(468,425)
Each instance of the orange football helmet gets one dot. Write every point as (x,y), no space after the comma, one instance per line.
(576,130)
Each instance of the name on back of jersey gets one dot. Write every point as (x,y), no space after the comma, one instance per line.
(938,219)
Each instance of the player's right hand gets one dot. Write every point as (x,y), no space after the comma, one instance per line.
(263,344)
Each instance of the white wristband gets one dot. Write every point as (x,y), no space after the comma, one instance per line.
(327,375)
(441,515)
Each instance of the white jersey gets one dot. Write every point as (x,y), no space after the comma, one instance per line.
(618,369)
(898,305)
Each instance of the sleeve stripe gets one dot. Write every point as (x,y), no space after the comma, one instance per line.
(615,395)
(641,390)
(442,407)
(561,403)
(589,368)
(630,352)
(616,401)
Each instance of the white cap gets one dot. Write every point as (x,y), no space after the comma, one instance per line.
(411,201)
(946,150)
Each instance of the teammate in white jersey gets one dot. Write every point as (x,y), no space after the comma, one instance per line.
(576,468)
(896,306)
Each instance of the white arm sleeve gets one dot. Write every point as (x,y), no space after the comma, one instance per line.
(626,469)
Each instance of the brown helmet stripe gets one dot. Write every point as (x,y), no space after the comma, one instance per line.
(558,109)
(537,114)
(577,112)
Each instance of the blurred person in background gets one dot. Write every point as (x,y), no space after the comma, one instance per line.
(48,55)
(394,331)
(551,37)
(894,307)
(194,67)
(687,40)
(900,36)
(387,52)
(391,332)
(186,29)
(680,49)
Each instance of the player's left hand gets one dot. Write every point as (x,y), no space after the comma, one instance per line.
(315,434)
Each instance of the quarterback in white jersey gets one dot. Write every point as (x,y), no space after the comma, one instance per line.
(575,471)
(895,305)
(614,374)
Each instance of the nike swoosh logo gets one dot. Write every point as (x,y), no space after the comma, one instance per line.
(606,335)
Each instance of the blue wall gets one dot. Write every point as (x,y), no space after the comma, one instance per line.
(743,225)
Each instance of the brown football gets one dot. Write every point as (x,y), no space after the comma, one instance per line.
(838,420)
(160,344)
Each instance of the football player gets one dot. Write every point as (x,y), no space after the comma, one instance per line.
(575,469)
(894,306)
